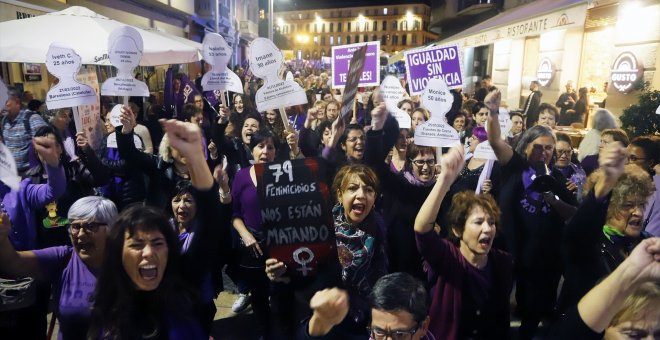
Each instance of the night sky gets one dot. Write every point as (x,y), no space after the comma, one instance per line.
(289,5)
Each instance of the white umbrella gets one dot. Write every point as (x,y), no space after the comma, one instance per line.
(27,40)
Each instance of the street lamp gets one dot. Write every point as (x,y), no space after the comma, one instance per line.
(270,19)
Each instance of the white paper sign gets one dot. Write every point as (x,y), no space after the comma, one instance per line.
(112,141)
(289,76)
(125,51)
(657,111)
(484,151)
(8,171)
(88,117)
(505,123)
(217,53)
(392,93)
(265,62)
(114,115)
(436,132)
(63,62)
(4,93)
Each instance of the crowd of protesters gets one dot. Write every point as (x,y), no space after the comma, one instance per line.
(129,240)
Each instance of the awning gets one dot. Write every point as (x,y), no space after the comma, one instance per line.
(528,20)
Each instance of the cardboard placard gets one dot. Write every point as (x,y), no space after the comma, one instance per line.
(353,80)
(392,93)
(505,123)
(342,62)
(111,142)
(436,132)
(114,115)
(125,51)
(8,170)
(217,53)
(265,63)
(63,62)
(88,117)
(422,65)
(484,151)
(296,213)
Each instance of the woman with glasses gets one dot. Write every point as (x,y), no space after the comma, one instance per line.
(471,281)
(608,224)
(71,270)
(575,176)
(535,205)
(403,195)
(644,151)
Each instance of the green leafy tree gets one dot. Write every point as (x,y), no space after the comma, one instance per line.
(640,119)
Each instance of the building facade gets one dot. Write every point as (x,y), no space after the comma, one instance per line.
(313,33)
(610,47)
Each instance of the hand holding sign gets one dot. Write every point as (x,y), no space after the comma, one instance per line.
(393,93)
(265,62)
(436,132)
(125,51)
(217,53)
(63,62)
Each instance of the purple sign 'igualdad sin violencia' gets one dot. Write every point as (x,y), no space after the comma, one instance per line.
(436,62)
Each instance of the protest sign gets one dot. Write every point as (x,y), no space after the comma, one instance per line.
(295,209)
(8,170)
(111,142)
(125,51)
(505,123)
(342,62)
(352,81)
(114,115)
(423,65)
(485,151)
(217,53)
(436,132)
(63,62)
(392,93)
(87,118)
(265,62)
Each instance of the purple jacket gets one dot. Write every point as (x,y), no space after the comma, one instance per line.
(448,268)
(21,204)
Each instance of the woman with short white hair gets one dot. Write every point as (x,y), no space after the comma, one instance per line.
(70,269)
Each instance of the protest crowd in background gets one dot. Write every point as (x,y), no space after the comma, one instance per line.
(370,236)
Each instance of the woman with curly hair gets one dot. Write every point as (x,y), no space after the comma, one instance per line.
(608,224)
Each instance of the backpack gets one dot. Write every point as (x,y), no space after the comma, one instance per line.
(26,124)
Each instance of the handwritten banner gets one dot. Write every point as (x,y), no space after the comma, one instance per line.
(295,210)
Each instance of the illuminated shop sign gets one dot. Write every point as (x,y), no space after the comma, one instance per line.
(545,72)
(626,70)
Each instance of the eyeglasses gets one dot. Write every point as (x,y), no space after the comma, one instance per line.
(634,158)
(630,206)
(420,162)
(564,152)
(380,334)
(355,139)
(541,147)
(90,227)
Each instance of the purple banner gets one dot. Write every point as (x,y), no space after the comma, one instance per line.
(341,60)
(437,62)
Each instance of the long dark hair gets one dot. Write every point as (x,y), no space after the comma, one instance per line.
(344,137)
(120,311)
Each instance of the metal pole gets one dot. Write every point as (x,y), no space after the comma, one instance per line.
(270,20)
(217,17)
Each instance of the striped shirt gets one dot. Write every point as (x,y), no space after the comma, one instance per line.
(17,139)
